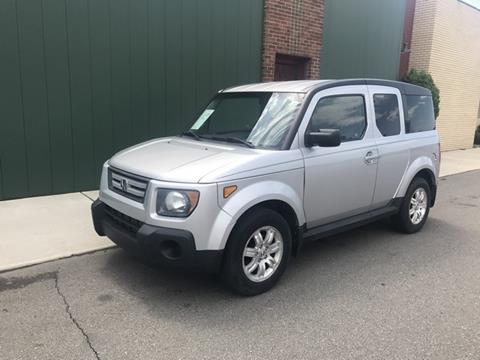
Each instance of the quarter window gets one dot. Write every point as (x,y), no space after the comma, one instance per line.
(419,113)
(387,115)
(345,113)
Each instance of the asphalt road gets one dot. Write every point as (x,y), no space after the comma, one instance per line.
(367,294)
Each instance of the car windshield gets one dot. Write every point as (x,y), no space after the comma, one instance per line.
(254,119)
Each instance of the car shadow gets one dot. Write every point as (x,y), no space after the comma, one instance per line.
(322,271)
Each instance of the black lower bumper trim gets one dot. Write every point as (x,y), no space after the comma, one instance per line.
(171,247)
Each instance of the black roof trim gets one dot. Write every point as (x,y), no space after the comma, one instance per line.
(403,87)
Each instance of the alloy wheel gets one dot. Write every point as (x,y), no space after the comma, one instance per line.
(418,206)
(262,254)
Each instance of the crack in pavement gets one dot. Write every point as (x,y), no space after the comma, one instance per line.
(75,322)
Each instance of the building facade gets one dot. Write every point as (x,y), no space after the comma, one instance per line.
(82,79)
(362,38)
(292,39)
(312,39)
(446,44)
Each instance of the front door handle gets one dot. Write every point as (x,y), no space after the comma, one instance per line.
(371,158)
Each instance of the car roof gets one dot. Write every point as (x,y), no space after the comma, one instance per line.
(305,86)
(301,86)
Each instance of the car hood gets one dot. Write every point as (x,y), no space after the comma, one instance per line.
(182,160)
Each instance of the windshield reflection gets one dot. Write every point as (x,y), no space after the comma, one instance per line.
(259,119)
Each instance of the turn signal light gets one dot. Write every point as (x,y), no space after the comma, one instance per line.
(229,190)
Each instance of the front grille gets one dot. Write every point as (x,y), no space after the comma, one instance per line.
(128,223)
(131,186)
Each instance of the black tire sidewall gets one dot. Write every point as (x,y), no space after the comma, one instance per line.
(404,220)
(232,270)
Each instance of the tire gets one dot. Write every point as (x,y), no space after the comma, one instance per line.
(407,222)
(238,259)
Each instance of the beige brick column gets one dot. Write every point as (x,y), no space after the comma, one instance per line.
(446,43)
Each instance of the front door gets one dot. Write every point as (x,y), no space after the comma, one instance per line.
(339,181)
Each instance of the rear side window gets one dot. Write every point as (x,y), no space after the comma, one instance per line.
(345,113)
(387,114)
(419,113)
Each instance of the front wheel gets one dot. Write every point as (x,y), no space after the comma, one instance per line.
(257,252)
(415,207)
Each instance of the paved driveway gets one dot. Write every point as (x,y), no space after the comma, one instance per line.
(366,294)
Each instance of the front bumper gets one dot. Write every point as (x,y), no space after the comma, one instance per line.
(167,246)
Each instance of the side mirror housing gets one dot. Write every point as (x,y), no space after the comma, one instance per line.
(323,138)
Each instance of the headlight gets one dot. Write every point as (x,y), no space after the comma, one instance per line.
(179,203)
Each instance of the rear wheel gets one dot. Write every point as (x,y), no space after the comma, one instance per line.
(415,207)
(257,252)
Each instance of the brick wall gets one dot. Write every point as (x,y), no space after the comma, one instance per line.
(422,34)
(292,27)
(446,43)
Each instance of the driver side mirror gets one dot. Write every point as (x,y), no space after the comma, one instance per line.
(323,137)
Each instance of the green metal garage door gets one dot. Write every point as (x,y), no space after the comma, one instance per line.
(81,79)
(362,38)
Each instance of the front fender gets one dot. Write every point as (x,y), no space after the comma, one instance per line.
(253,192)
(421,163)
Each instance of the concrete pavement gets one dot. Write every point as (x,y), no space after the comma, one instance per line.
(459,161)
(34,230)
(370,293)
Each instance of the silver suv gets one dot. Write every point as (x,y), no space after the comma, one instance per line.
(267,167)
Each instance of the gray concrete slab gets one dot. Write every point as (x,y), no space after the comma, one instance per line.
(370,293)
(459,161)
(34,323)
(92,195)
(38,229)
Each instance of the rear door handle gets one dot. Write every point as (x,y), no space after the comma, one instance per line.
(371,158)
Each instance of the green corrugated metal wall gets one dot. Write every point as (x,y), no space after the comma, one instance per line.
(81,79)
(362,38)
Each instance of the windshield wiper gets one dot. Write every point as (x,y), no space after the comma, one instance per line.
(240,141)
(191,134)
(229,139)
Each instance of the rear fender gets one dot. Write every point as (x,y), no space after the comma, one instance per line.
(421,163)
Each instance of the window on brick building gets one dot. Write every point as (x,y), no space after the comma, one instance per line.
(288,67)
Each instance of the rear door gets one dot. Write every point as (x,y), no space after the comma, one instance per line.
(339,181)
(393,148)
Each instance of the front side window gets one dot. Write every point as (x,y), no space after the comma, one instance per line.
(258,119)
(344,112)
(419,113)
(387,115)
